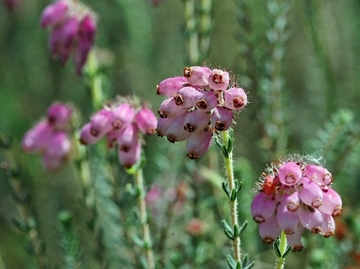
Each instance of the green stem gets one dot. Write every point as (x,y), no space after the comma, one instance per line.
(95,81)
(280,261)
(193,36)
(205,27)
(233,204)
(139,181)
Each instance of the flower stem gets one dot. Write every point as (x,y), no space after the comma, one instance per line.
(193,36)
(139,181)
(280,261)
(95,80)
(232,202)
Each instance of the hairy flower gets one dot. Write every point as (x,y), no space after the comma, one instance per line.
(301,189)
(199,104)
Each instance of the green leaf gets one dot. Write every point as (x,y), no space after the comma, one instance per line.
(229,235)
(245,260)
(231,262)
(225,152)
(225,188)
(250,265)
(236,231)
(287,251)
(233,195)
(226,226)
(239,187)
(138,241)
(243,227)
(218,143)
(276,249)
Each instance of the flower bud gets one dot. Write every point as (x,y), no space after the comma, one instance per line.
(122,115)
(206,101)
(80,55)
(58,115)
(54,13)
(219,80)
(86,137)
(331,203)
(197,75)
(288,220)
(169,109)
(87,29)
(146,120)
(131,157)
(319,174)
(38,137)
(170,86)
(127,137)
(101,122)
(310,192)
(196,121)
(311,218)
(55,41)
(235,98)
(86,35)
(262,207)
(59,145)
(269,230)
(221,118)
(162,126)
(328,226)
(176,132)
(69,33)
(289,173)
(198,143)
(294,240)
(187,96)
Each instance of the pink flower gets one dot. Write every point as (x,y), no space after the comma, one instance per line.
(58,115)
(49,137)
(146,121)
(170,86)
(73,29)
(122,125)
(304,199)
(198,105)
(54,14)
(219,80)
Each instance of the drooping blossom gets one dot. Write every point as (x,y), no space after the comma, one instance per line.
(72,28)
(197,104)
(295,194)
(123,125)
(49,137)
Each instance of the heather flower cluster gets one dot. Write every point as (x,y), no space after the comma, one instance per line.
(122,125)
(294,195)
(73,29)
(198,103)
(49,137)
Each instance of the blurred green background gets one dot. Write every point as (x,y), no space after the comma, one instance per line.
(139,45)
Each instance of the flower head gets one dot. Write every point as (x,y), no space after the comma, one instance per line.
(197,105)
(73,29)
(49,137)
(295,194)
(122,124)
